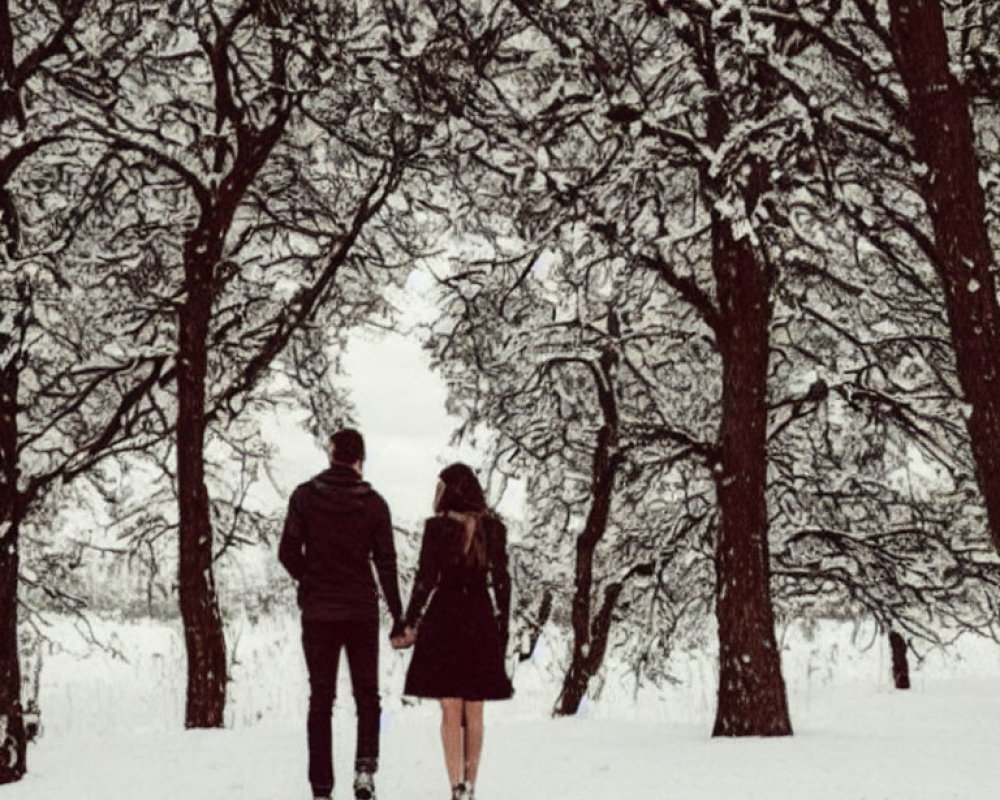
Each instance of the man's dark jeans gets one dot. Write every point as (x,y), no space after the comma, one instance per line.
(322,641)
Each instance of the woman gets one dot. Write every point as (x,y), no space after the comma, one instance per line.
(459,654)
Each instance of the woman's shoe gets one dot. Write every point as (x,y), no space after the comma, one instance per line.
(462,791)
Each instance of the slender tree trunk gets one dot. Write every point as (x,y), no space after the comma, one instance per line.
(537,625)
(588,660)
(589,644)
(900,664)
(13,763)
(941,125)
(752,698)
(203,632)
(11,107)
(13,744)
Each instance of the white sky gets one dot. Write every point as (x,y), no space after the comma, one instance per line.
(400,405)
(401,412)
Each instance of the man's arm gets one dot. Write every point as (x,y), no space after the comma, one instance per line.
(291,548)
(384,555)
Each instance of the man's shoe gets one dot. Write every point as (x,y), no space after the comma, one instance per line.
(364,785)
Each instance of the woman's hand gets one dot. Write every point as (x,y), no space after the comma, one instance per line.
(405,639)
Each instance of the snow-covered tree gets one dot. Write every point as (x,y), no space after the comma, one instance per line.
(69,396)
(560,356)
(257,142)
(915,83)
(272,160)
(940,121)
(864,395)
(661,132)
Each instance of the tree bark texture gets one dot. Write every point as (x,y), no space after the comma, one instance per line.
(941,125)
(751,699)
(203,633)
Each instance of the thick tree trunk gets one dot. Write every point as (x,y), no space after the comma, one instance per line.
(900,664)
(203,632)
(941,125)
(589,641)
(752,699)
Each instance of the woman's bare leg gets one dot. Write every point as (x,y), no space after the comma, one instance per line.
(451,737)
(473,738)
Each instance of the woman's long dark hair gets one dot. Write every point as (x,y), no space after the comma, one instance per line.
(463,495)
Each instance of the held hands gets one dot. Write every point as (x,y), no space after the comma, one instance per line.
(401,641)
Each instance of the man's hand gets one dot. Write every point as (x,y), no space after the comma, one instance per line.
(405,639)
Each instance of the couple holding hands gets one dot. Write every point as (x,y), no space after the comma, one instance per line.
(336,526)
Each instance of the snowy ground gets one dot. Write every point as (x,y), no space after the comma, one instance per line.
(112,730)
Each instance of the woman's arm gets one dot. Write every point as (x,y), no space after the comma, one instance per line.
(500,578)
(428,573)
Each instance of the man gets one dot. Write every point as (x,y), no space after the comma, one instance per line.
(336,525)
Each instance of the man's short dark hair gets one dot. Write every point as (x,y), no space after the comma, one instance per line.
(347,446)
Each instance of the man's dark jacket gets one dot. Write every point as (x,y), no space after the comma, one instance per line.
(336,525)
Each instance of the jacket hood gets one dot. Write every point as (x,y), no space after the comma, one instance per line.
(341,480)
